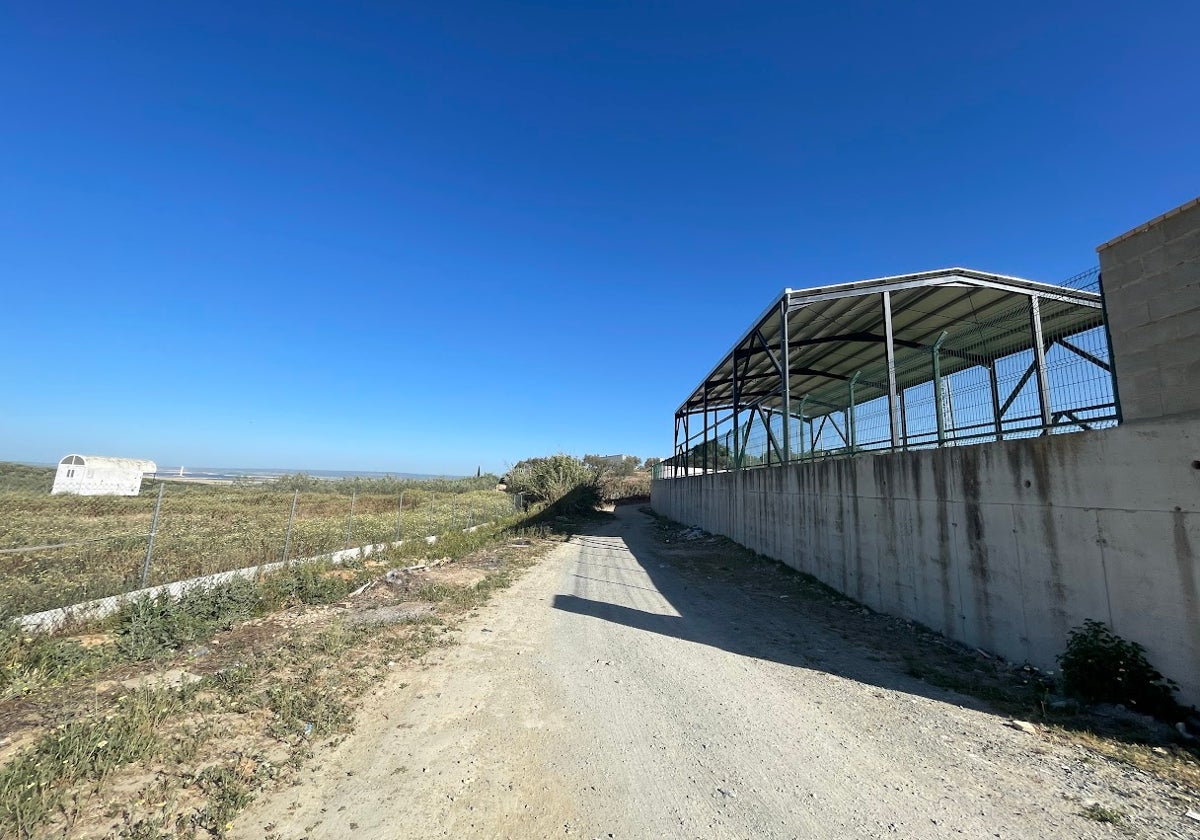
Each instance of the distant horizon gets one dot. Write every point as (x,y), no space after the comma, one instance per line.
(275,471)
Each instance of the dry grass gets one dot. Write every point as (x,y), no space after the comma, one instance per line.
(172,720)
(202,529)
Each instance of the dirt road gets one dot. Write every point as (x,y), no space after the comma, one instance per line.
(616,692)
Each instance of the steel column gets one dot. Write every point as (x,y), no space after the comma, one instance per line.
(803,402)
(893,401)
(1039,360)
(935,353)
(675,459)
(850,426)
(995,386)
(704,457)
(786,377)
(737,432)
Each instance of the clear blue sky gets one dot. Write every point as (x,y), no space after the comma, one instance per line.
(425,237)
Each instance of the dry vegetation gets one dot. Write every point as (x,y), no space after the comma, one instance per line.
(166,720)
(206,528)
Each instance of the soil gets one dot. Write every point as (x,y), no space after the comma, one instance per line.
(642,682)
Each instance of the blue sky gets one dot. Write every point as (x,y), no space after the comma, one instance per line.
(426,237)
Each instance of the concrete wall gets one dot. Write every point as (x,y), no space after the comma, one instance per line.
(1151,282)
(1007,546)
(1003,546)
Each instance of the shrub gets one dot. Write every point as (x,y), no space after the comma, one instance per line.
(1099,666)
(551,479)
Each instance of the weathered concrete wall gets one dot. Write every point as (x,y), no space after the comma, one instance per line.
(1151,281)
(1003,546)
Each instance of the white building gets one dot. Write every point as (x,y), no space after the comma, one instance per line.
(96,475)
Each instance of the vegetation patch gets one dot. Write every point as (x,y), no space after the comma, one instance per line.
(1098,666)
(253,677)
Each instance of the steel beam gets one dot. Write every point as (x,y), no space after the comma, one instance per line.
(1078,351)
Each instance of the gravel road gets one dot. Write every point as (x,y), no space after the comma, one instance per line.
(614,692)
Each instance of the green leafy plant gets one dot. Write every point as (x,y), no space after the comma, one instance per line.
(1099,666)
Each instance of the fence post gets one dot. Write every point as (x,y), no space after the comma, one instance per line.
(153,531)
(350,524)
(400,517)
(803,404)
(287,540)
(936,352)
(851,436)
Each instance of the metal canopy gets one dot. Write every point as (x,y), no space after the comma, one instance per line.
(835,332)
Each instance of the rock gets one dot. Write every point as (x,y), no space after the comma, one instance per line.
(1193,815)
(174,678)
(1065,705)
(1023,725)
(1182,729)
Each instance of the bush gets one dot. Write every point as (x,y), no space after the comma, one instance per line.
(1099,666)
(551,479)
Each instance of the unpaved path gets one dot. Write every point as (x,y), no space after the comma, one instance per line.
(610,693)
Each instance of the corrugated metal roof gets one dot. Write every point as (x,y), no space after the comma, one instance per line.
(835,332)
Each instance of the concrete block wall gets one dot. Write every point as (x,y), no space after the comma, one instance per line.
(1002,546)
(1151,284)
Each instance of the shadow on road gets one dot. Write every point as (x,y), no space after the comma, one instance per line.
(729,598)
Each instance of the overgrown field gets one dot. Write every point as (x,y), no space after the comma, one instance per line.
(207,528)
(166,720)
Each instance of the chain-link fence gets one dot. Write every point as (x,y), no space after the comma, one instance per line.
(59,550)
(955,392)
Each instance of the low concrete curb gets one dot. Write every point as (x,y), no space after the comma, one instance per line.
(51,620)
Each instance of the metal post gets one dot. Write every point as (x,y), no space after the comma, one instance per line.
(704,457)
(893,401)
(687,442)
(675,460)
(786,376)
(737,431)
(400,517)
(153,531)
(995,386)
(1039,360)
(903,421)
(936,356)
(765,416)
(851,435)
(350,522)
(287,540)
(803,401)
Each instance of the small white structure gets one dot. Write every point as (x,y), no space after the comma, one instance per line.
(96,475)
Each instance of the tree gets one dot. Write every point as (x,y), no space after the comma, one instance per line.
(651,463)
(612,465)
